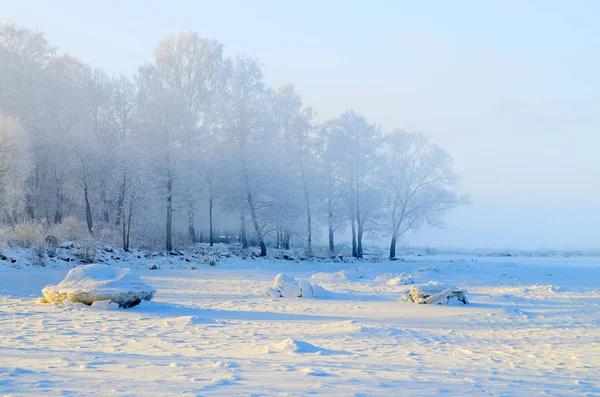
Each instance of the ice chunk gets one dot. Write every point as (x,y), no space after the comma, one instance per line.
(92,283)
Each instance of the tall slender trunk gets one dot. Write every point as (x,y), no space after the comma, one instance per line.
(129,218)
(58,215)
(253,215)
(191,221)
(121,200)
(307,201)
(105,203)
(257,230)
(359,237)
(286,239)
(243,236)
(29,209)
(330,215)
(354,251)
(88,210)
(393,246)
(169,237)
(125,247)
(308,216)
(210,220)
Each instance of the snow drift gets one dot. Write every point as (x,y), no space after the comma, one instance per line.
(286,286)
(435,294)
(96,283)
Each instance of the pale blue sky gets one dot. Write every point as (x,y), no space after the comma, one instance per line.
(510,88)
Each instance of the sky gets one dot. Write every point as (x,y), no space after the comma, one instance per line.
(510,88)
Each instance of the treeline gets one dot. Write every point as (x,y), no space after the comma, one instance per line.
(193,136)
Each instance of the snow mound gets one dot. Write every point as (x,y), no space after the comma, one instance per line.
(343,327)
(286,286)
(96,283)
(291,346)
(345,274)
(435,294)
(395,279)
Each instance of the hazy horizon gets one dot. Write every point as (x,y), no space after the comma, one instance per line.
(509,88)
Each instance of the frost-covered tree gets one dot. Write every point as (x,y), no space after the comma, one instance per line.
(294,124)
(197,135)
(249,130)
(420,186)
(353,151)
(14,167)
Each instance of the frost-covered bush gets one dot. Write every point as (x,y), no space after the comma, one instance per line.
(51,243)
(86,252)
(70,229)
(27,234)
(39,253)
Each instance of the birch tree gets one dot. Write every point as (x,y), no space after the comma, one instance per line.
(419,183)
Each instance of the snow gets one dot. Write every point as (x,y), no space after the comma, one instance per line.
(531,328)
(97,284)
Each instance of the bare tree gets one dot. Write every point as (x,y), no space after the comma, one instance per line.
(419,182)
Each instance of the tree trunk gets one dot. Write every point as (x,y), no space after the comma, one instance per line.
(359,224)
(393,246)
(286,239)
(308,219)
(263,248)
(253,215)
(105,204)
(29,207)
(210,220)
(169,241)
(191,222)
(129,217)
(354,251)
(330,216)
(121,200)
(59,203)
(243,237)
(88,210)
(259,235)
(359,237)
(125,248)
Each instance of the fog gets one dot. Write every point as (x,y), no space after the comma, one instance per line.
(508,89)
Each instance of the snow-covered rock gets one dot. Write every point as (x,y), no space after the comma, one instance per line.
(286,286)
(93,283)
(435,294)
(282,280)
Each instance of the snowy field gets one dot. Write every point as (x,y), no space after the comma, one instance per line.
(532,328)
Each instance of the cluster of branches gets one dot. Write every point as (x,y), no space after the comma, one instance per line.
(196,132)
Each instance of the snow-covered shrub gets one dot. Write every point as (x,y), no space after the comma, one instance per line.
(39,253)
(70,229)
(27,234)
(51,245)
(86,252)
(92,283)
(435,294)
